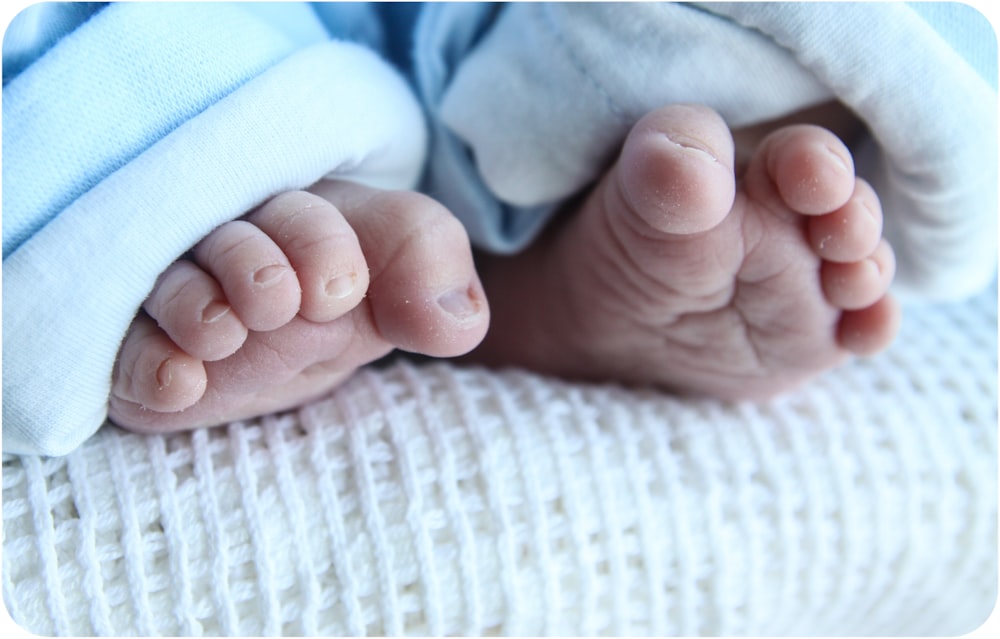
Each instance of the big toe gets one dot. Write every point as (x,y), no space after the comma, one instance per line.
(675,172)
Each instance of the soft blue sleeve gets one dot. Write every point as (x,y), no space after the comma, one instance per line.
(37,27)
(67,124)
(66,130)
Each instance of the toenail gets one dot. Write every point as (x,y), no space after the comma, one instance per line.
(341,286)
(214,311)
(459,303)
(164,374)
(875,266)
(269,274)
(841,162)
(870,211)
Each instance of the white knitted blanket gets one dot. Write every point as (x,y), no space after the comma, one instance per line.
(433,499)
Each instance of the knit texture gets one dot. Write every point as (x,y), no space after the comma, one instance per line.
(433,499)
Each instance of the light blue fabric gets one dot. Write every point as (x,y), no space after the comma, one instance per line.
(170,64)
(132,91)
(37,28)
(967,30)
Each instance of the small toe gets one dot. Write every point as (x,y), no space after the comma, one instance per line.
(259,282)
(154,373)
(810,167)
(850,233)
(191,308)
(869,330)
(856,285)
(425,294)
(322,248)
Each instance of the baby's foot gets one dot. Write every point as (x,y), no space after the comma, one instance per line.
(671,272)
(283,305)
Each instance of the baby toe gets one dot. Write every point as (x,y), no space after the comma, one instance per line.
(850,233)
(869,330)
(675,173)
(810,167)
(425,295)
(191,308)
(259,282)
(154,373)
(857,285)
(322,248)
